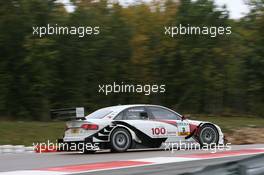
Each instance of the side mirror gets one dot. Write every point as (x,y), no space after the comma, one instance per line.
(183,117)
(144,115)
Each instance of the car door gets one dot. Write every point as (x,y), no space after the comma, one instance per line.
(139,118)
(176,129)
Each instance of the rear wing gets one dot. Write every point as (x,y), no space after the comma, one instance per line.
(68,113)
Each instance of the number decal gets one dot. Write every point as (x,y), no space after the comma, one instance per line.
(158,131)
(183,129)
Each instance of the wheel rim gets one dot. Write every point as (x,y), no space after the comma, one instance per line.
(121,139)
(208,135)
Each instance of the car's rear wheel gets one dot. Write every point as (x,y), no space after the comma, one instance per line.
(120,140)
(208,135)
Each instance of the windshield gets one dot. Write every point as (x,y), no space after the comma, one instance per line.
(101,113)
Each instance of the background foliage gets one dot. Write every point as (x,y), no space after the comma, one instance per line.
(202,74)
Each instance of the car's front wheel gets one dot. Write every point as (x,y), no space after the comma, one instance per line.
(120,140)
(208,135)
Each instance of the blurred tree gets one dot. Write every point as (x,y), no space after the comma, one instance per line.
(202,74)
(17,19)
(253,25)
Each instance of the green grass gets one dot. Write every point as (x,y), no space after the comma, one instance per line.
(228,123)
(25,133)
(19,132)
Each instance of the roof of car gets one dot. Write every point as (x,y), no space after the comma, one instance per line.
(122,107)
(119,108)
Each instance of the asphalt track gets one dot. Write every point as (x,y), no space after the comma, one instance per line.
(179,163)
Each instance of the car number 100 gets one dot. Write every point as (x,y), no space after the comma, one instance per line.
(158,131)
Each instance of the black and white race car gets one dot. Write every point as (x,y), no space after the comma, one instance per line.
(124,127)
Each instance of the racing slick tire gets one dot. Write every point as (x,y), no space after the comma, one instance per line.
(208,135)
(120,140)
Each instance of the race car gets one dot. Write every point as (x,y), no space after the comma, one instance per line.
(124,127)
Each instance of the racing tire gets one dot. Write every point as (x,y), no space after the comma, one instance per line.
(208,135)
(120,140)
